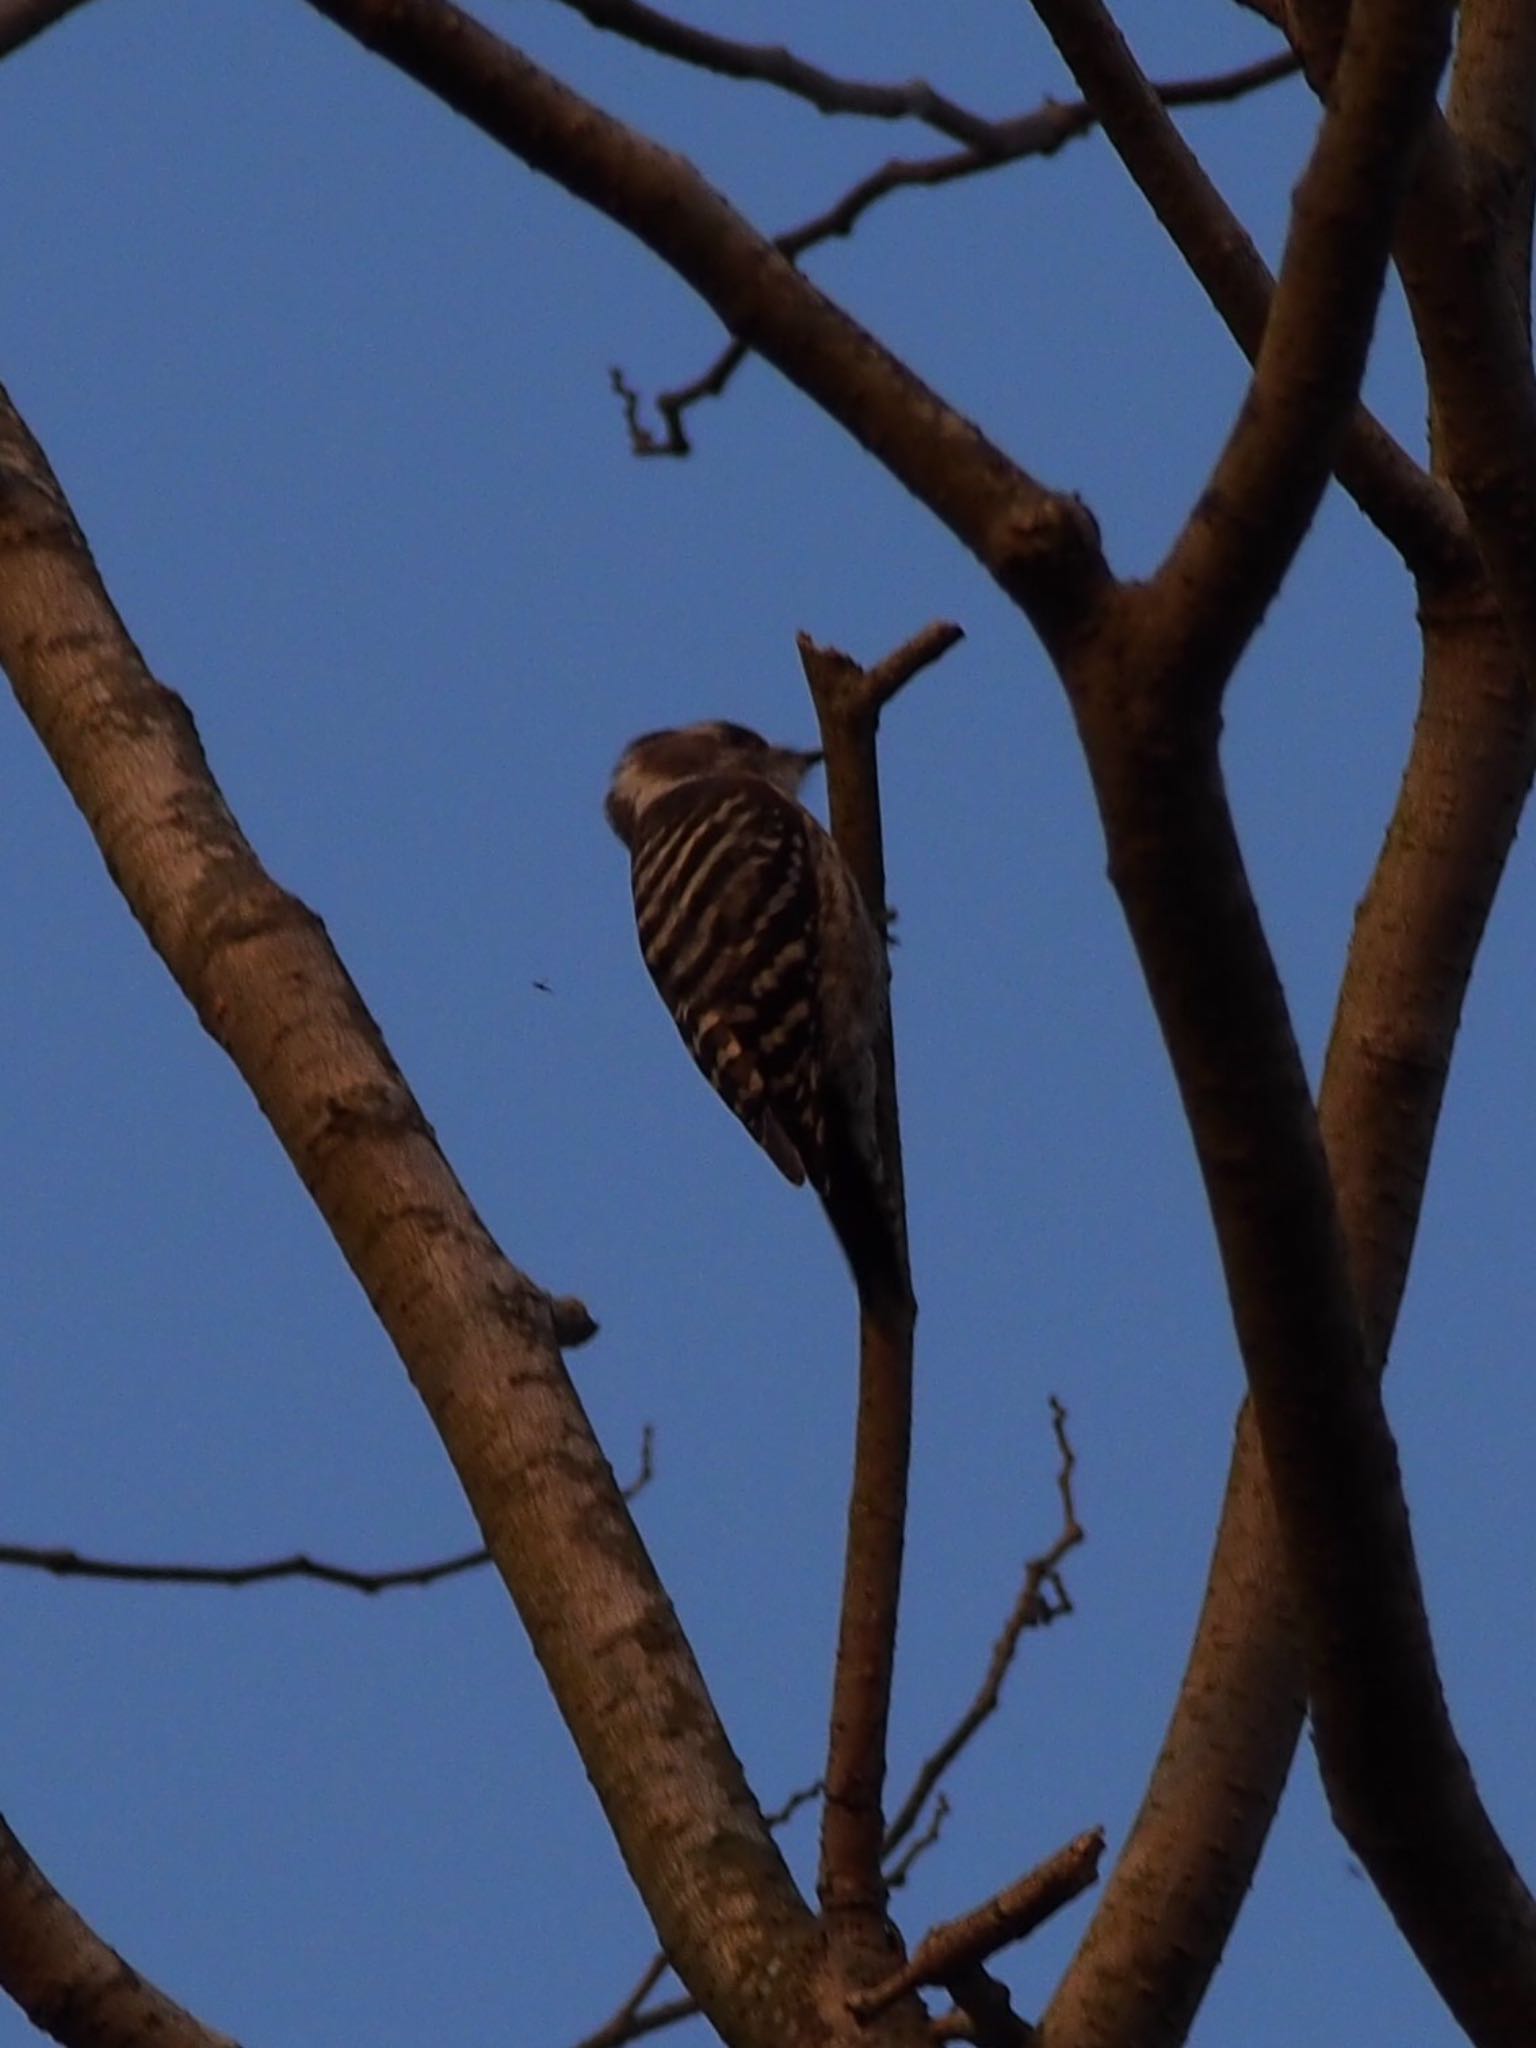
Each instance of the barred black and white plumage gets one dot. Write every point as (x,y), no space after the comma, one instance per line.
(761,947)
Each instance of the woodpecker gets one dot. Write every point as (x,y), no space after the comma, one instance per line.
(758,939)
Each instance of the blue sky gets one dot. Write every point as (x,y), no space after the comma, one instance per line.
(325,375)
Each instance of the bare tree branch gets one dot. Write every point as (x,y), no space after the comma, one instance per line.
(1041,545)
(851,1882)
(1040,133)
(779,67)
(474,1333)
(628,2021)
(1420,518)
(1148,714)
(1491,110)
(1010,1916)
(1460,264)
(1042,1599)
(1226,565)
(1163,1919)
(897,1872)
(21,20)
(69,1564)
(67,1980)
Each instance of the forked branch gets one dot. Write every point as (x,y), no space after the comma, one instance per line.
(949,1951)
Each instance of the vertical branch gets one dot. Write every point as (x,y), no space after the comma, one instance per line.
(848,703)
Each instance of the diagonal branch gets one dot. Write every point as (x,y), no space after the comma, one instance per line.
(68,1981)
(1396,1777)
(1415,513)
(1041,545)
(21,20)
(1169,1906)
(1228,562)
(1420,518)
(1010,1916)
(1165,1914)
(1148,715)
(475,1335)
(1464,271)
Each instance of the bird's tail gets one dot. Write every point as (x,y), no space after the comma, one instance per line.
(864,1221)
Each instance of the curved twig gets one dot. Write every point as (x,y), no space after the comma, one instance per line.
(774,65)
(1042,1599)
(70,1564)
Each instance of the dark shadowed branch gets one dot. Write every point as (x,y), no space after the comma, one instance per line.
(1465,273)
(1239,541)
(1163,1919)
(899,1868)
(21,20)
(1410,508)
(69,1564)
(1147,711)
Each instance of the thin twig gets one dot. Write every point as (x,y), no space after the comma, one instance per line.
(928,645)
(70,1564)
(1042,1599)
(897,1873)
(779,1815)
(634,2026)
(776,66)
(1009,1916)
(625,2023)
(1041,132)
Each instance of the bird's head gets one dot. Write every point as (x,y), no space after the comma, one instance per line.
(658,761)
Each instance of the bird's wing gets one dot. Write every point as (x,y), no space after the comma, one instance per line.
(726,907)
